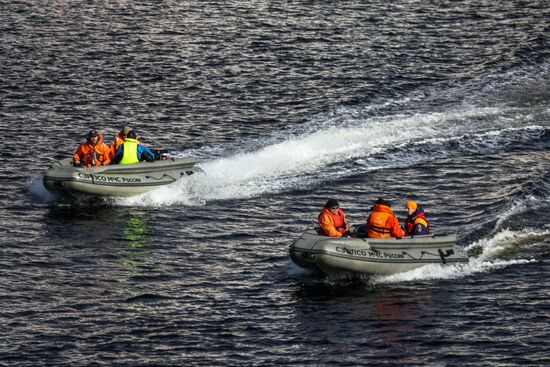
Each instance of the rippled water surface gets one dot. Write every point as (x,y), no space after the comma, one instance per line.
(284,104)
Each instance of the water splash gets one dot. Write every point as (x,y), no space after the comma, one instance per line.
(507,242)
(37,189)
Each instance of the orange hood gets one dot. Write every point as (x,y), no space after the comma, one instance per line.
(382,208)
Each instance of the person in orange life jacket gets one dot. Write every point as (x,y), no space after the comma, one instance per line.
(382,223)
(332,220)
(92,152)
(132,152)
(119,139)
(416,222)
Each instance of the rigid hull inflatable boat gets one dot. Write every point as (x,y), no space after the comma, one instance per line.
(116,179)
(375,256)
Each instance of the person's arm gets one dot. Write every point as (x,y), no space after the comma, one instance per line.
(346,225)
(420,227)
(106,152)
(396,230)
(119,153)
(145,154)
(327,226)
(112,150)
(77,156)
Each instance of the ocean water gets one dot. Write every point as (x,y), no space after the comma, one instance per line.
(284,104)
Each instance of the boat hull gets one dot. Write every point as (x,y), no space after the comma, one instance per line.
(374,256)
(118,179)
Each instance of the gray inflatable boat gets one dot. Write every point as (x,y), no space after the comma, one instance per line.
(117,179)
(374,256)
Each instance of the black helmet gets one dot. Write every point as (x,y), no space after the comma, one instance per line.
(383,202)
(331,202)
(92,133)
(132,134)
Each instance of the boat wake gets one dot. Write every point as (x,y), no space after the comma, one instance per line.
(506,248)
(471,119)
(304,161)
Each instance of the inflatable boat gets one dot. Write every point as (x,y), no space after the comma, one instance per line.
(374,256)
(117,179)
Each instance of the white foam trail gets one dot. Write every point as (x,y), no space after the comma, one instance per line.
(316,156)
(446,272)
(277,166)
(503,243)
(507,241)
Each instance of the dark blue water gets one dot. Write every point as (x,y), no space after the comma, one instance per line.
(284,104)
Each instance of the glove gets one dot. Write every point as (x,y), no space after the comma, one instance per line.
(77,164)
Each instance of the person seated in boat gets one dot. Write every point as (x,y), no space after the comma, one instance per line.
(92,152)
(132,152)
(382,223)
(332,220)
(416,222)
(119,139)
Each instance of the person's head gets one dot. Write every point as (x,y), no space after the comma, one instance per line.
(131,134)
(124,132)
(332,205)
(382,201)
(410,207)
(93,136)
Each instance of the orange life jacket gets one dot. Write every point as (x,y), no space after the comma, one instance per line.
(417,223)
(333,225)
(382,223)
(115,144)
(93,155)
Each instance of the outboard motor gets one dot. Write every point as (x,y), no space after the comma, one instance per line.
(445,254)
(161,154)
